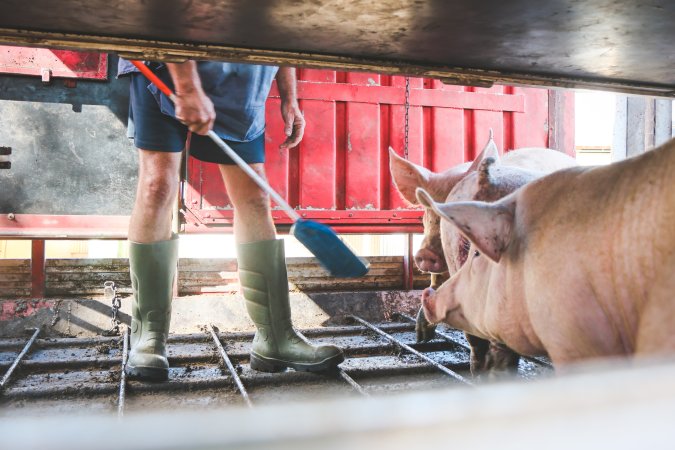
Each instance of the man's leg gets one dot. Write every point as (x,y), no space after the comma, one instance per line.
(155,195)
(264,281)
(153,254)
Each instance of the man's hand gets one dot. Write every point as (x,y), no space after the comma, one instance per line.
(294,124)
(193,107)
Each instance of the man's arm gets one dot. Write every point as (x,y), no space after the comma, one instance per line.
(294,122)
(193,107)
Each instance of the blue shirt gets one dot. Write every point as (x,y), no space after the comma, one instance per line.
(238,93)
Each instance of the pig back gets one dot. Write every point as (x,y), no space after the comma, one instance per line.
(595,244)
(539,159)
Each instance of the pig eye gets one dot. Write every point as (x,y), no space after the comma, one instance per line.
(476,254)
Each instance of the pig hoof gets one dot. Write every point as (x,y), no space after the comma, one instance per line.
(424,330)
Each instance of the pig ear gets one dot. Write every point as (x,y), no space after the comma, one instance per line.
(489,151)
(408,176)
(424,198)
(487,225)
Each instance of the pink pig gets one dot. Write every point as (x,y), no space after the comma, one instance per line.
(408,176)
(578,264)
(485,356)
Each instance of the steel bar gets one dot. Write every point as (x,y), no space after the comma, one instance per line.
(408,348)
(19,357)
(357,387)
(207,383)
(123,373)
(55,360)
(454,341)
(228,363)
(342,374)
(84,363)
(199,337)
(408,261)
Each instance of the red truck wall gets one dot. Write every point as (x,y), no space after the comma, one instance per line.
(339,174)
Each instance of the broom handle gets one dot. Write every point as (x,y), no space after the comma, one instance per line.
(223,146)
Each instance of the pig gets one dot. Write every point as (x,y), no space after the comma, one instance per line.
(430,257)
(576,265)
(407,177)
(490,182)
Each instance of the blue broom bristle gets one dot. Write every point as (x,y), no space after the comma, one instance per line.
(332,253)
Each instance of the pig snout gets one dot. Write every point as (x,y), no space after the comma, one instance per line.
(429,304)
(429,261)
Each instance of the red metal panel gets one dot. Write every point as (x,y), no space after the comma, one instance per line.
(59,63)
(307,168)
(277,160)
(340,173)
(325,76)
(530,129)
(362,165)
(318,153)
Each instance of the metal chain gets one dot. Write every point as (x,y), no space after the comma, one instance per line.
(55,316)
(110,292)
(407,108)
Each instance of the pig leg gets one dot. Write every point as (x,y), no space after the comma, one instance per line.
(479,349)
(424,330)
(500,361)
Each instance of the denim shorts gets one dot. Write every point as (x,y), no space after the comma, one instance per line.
(154,130)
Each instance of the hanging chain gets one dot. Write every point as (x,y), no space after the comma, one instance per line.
(110,293)
(407,109)
(55,316)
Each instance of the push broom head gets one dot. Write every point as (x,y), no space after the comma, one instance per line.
(332,253)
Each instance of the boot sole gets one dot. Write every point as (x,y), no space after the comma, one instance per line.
(263,364)
(147,373)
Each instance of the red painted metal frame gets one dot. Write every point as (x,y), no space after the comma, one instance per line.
(60,63)
(37,269)
(29,226)
(393,95)
(339,174)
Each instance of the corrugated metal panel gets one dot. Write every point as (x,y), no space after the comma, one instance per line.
(340,172)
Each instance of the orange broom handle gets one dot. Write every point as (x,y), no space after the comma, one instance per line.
(145,70)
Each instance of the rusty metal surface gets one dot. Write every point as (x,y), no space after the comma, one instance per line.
(70,155)
(53,63)
(613,44)
(62,375)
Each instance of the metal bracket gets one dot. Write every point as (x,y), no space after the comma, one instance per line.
(46,75)
(5,151)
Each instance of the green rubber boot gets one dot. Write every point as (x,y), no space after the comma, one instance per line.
(276,345)
(153,269)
